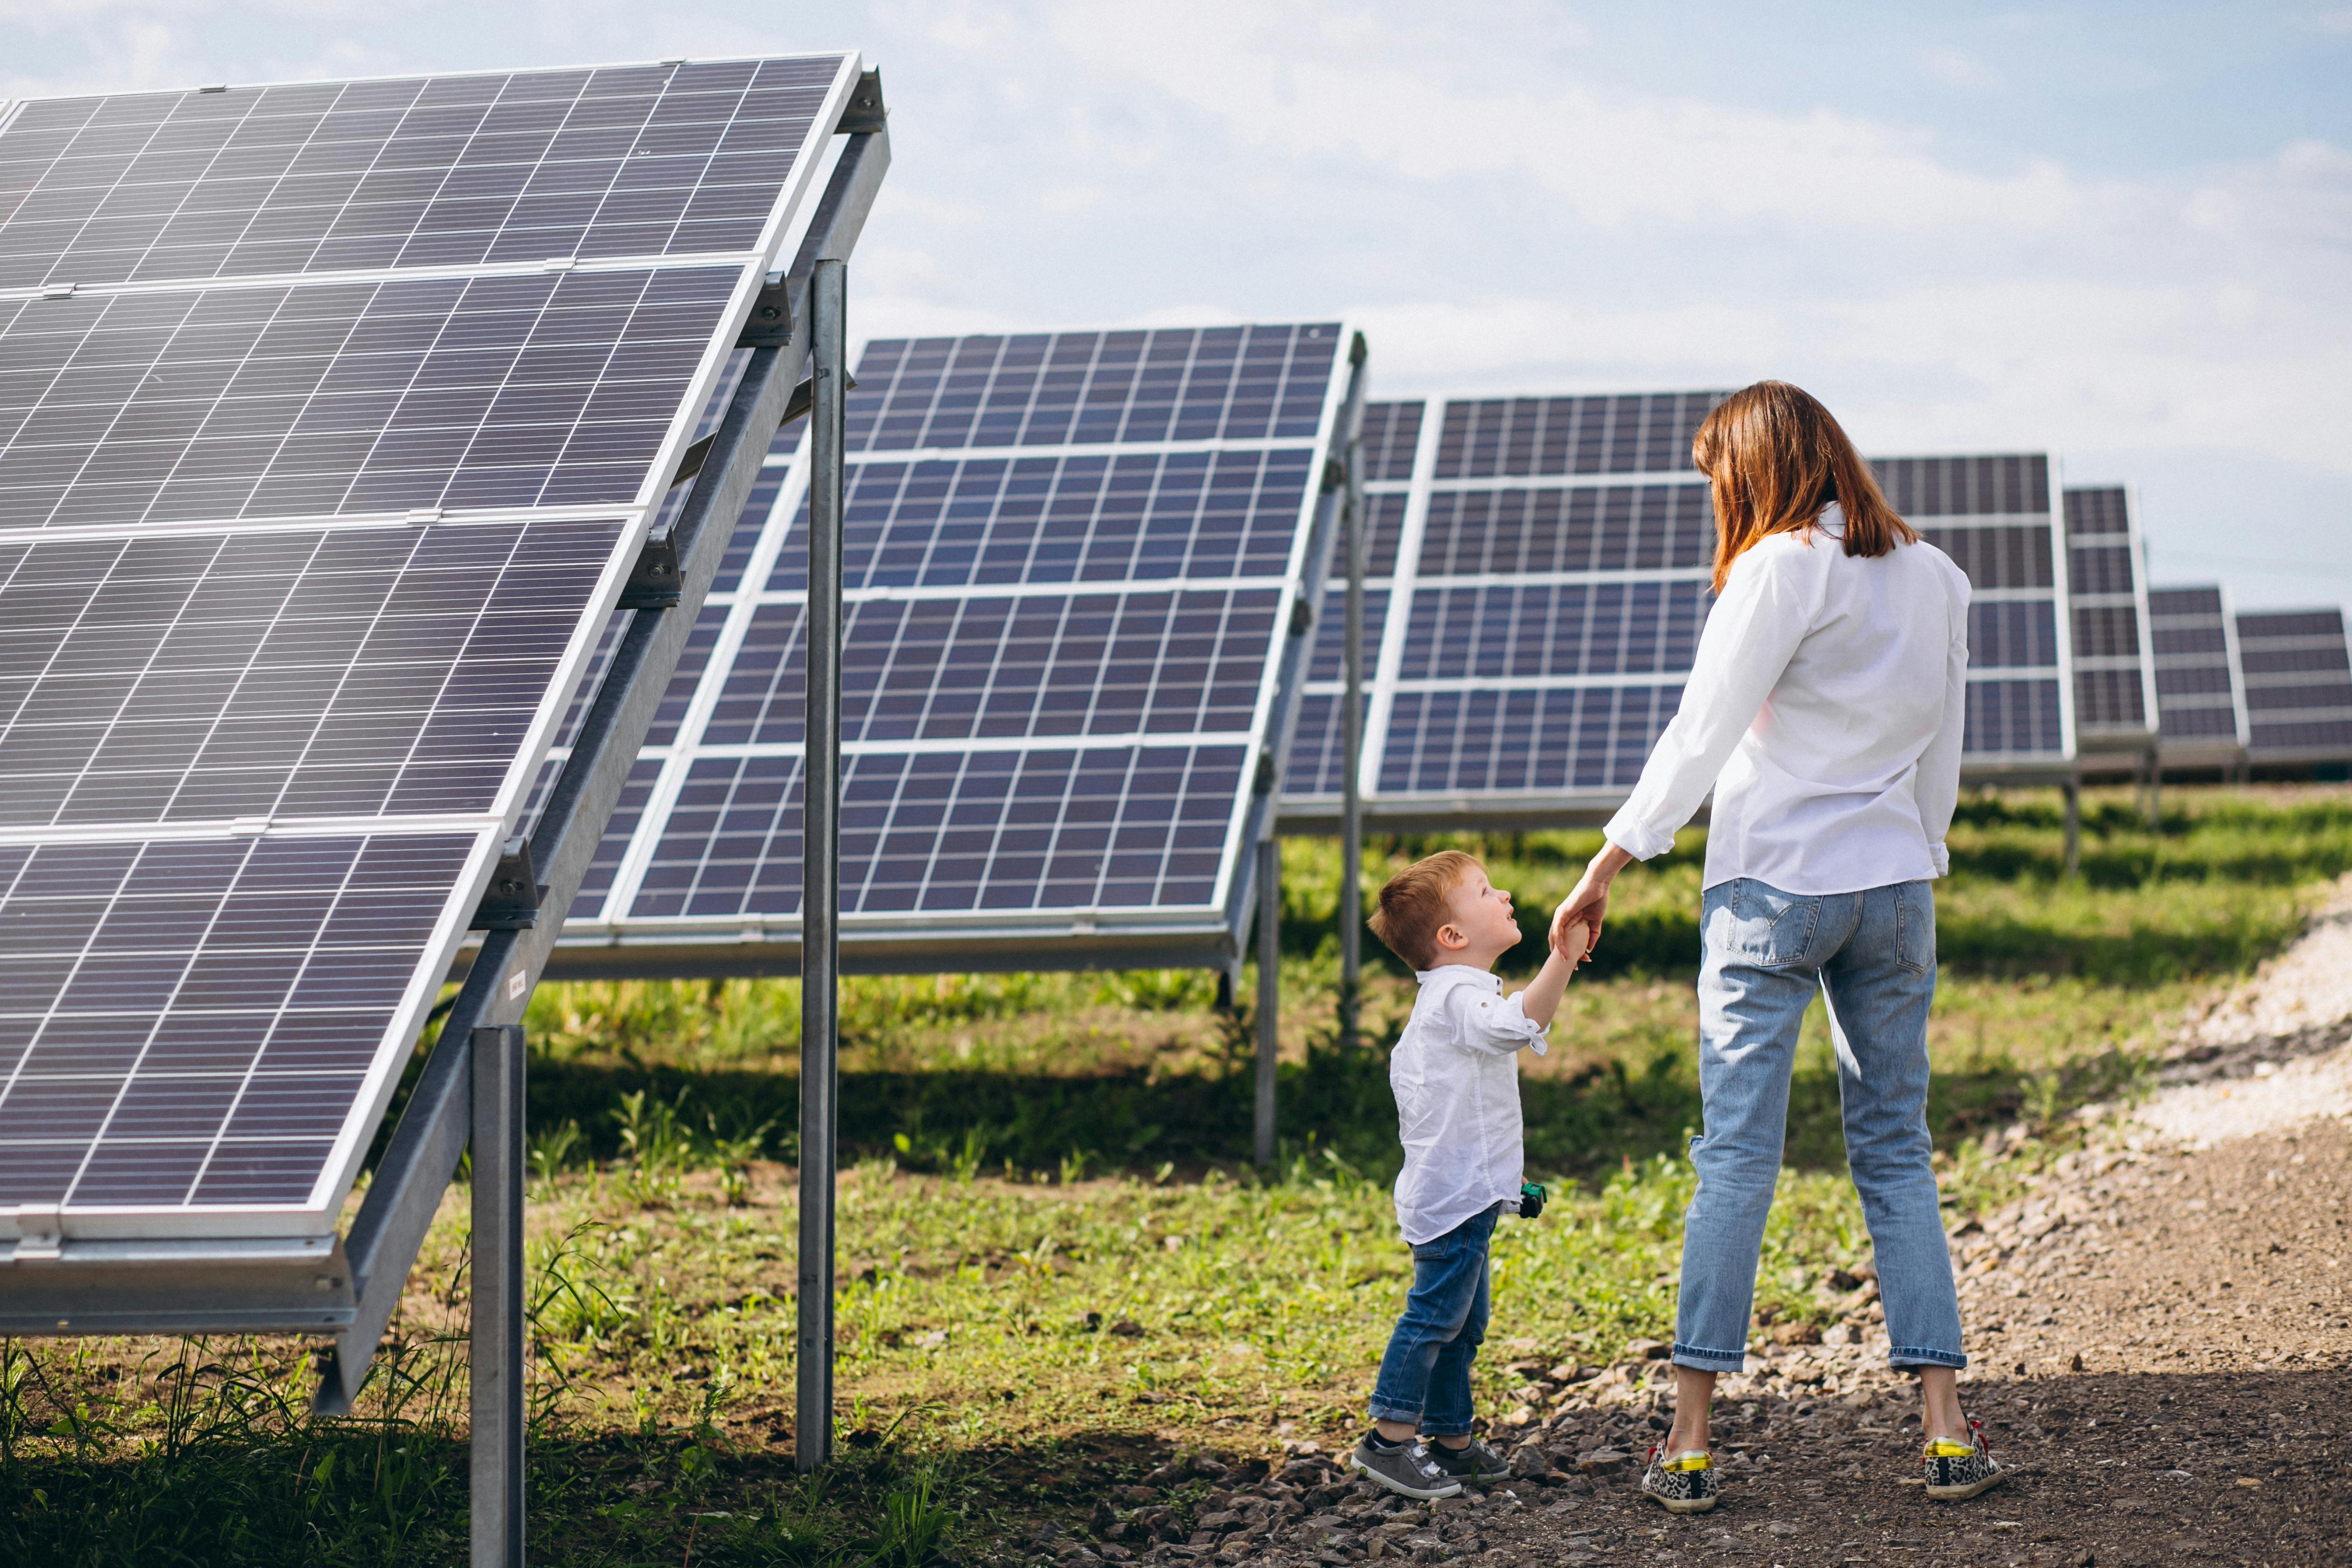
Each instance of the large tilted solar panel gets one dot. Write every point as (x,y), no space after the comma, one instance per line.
(2298,686)
(2115,671)
(1554,556)
(2201,690)
(332,417)
(1072,648)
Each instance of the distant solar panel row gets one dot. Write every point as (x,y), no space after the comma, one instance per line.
(2115,673)
(325,448)
(2199,689)
(1070,566)
(1554,556)
(2298,684)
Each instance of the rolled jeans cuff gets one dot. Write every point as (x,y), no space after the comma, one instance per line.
(1380,1412)
(1699,1359)
(1913,1355)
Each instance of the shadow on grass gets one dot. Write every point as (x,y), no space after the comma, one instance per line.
(985,1120)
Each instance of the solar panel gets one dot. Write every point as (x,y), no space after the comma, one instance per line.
(333,419)
(1553,554)
(2107,593)
(2298,684)
(1074,569)
(2199,687)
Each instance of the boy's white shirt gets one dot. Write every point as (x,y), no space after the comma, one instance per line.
(1455,1073)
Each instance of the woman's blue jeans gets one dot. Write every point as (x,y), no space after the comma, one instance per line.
(1425,1376)
(1872,955)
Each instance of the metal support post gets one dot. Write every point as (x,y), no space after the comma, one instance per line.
(496,1523)
(1351,752)
(821,872)
(2073,792)
(1269,991)
(2155,789)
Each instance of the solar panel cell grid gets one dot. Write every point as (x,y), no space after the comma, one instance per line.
(1999,557)
(1574,629)
(2013,717)
(451,171)
(376,398)
(188,1023)
(991,522)
(1619,528)
(1635,434)
(1982,487)
(1391,431)
(992,668)
(1523,742)
(955,832)
(1040,389)
(354,672)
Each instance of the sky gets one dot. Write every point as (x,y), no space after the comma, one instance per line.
(2120,232)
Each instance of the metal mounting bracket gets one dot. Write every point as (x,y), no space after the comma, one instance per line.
(770,325)
(511,900)
(866,111)
(652,581)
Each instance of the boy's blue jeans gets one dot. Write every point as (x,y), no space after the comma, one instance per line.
(1425,1376)
(1872,955)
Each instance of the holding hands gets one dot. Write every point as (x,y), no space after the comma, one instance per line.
(1576,924)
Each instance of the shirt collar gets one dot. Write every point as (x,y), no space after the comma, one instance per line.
(1831,522)
(1460,973)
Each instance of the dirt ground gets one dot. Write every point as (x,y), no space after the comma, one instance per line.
(2162,1342)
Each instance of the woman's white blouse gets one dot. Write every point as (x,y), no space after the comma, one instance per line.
(1824,709)
(1455,1073)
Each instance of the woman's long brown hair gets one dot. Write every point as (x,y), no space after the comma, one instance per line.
(1776,458)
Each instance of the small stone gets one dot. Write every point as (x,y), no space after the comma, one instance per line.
(1603,1462)
(1128,1329)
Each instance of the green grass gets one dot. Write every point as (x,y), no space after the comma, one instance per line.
(1040,1159)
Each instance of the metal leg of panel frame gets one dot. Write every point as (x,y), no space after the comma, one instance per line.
(821,876)
(1351,747)
(2073,792)
(497,1322)
(1269,991)
(2154,790)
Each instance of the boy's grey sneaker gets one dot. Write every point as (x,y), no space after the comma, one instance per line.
(1958,1470)
(1477,1462)
(1685,1484)
(1409,1469)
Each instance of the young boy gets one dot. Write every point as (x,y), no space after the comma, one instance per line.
(1455,1074)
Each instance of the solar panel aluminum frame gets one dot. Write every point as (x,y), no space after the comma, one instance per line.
(2122,748)
(297,1275)
(608,946)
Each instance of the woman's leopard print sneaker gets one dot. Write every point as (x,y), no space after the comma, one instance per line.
(1685,1484)
(1957,1470)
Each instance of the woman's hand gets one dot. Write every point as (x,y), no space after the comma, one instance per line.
(1588,901)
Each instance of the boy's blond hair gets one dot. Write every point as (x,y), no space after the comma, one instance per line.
(1412,905)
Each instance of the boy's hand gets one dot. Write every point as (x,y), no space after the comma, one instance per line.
(1573,941)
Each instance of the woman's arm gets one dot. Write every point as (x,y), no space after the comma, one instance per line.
(1937,789)
(1750,636)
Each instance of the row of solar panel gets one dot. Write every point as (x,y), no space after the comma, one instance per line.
(267,714)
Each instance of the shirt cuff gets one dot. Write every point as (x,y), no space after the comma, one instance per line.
(1940,857)
(1511,1018)
(1634,836)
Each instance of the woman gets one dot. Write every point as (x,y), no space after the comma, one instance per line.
(1824,711)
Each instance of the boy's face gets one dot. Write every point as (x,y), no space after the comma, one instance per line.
(1478,926)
